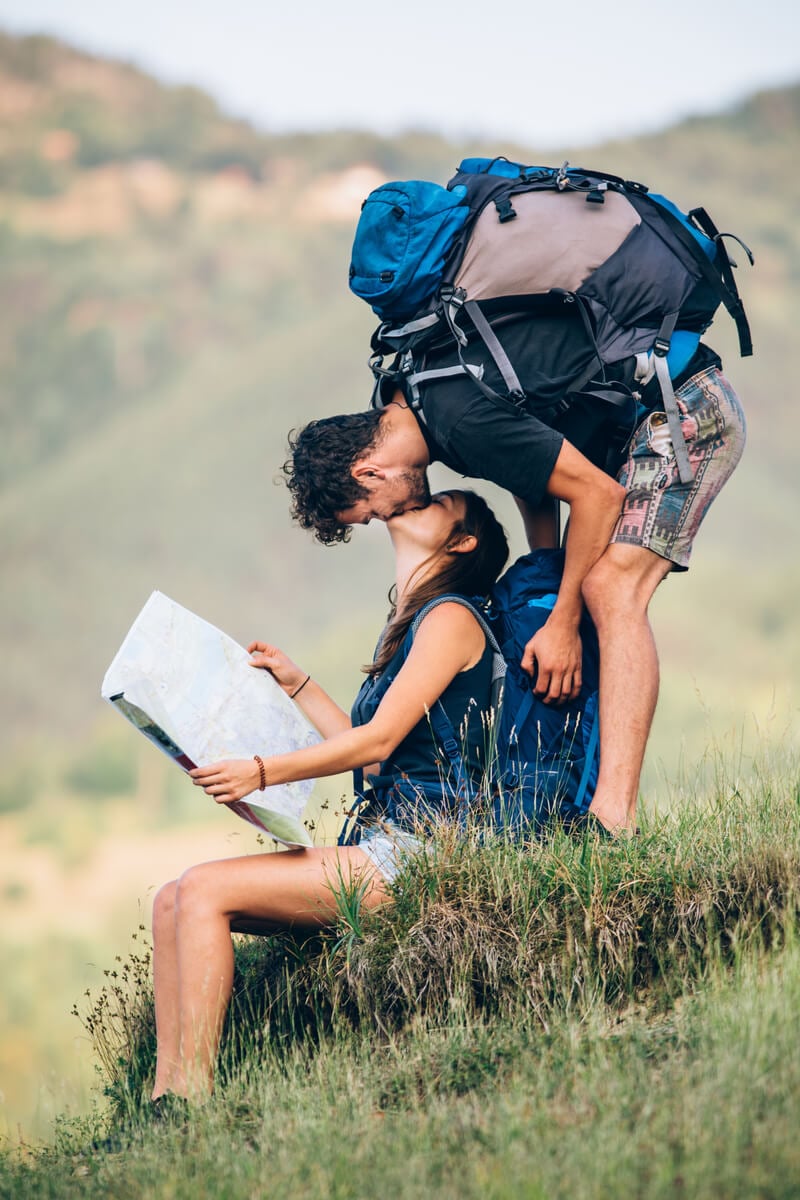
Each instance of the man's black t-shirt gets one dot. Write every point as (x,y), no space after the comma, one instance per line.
(517,448)
(482,440)
(476,436)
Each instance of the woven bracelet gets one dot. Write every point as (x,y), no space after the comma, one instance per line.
(261,771)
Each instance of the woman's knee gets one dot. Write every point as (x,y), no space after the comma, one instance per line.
(194,892)
(164,907)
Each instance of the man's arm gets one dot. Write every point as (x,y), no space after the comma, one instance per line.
(526,457)
(542,524)
(595,500)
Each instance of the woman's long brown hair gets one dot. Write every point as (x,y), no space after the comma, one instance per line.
(466,572)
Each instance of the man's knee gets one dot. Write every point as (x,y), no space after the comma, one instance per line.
(622,582)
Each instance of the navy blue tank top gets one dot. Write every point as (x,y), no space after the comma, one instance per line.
(466,702)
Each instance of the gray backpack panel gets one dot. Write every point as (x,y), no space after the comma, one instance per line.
(556,240)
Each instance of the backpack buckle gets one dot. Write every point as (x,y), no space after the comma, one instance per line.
(505,210)
(451,295)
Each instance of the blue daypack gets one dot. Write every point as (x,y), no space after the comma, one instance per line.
(547,757)
(451,271)
(544,759)
(541,761)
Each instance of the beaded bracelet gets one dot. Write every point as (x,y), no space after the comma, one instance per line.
(261,771)
(299,690)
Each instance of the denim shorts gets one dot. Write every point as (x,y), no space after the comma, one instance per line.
(659,512)
(386,845)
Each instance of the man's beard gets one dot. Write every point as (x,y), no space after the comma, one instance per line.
(419,488)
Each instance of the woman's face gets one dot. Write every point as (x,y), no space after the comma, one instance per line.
(430,528)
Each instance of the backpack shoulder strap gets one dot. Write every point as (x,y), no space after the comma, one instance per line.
(499,664)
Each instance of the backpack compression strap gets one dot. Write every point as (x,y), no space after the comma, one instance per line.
(731,298)
(660,352)
(451,304)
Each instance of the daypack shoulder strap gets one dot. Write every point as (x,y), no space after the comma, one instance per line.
(498,668)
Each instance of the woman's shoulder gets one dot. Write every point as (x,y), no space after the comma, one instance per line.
(450,616)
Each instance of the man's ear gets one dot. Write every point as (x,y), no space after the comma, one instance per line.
(364,470)
(465,543)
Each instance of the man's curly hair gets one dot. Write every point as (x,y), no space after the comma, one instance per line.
(318,473)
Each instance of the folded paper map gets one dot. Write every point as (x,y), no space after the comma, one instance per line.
(191,690)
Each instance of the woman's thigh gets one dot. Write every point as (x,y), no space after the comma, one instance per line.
(289,887)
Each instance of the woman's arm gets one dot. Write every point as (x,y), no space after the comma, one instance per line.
(448,641)
(313,701)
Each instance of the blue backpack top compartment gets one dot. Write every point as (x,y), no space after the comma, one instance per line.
(404,236)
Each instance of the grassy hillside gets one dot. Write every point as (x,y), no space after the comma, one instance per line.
(567,1020)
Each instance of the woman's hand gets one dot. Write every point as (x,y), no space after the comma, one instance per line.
(227,781)
(280,666)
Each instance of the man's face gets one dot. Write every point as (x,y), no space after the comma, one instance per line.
(388,496)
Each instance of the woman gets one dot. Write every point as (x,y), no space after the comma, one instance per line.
(455,545)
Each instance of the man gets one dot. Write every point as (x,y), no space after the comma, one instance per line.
(624,536)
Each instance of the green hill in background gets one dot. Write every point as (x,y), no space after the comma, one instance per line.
(174,290)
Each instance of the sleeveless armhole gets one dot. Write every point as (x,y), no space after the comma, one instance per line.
(418,620)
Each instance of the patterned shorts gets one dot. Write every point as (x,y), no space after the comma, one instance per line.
(661,513)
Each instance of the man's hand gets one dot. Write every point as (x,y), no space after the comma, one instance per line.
(553,657)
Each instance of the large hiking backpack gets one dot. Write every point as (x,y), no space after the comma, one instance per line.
(541,760)
(552,289)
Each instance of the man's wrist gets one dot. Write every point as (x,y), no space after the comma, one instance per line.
(567,613)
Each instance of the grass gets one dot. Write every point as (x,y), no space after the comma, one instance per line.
(565,1019)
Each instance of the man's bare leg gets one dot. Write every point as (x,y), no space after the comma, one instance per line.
(617,591)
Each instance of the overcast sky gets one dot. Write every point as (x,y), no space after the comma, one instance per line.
(545,73)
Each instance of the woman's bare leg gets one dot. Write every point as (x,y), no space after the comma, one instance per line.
(165,985)
(290,888)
